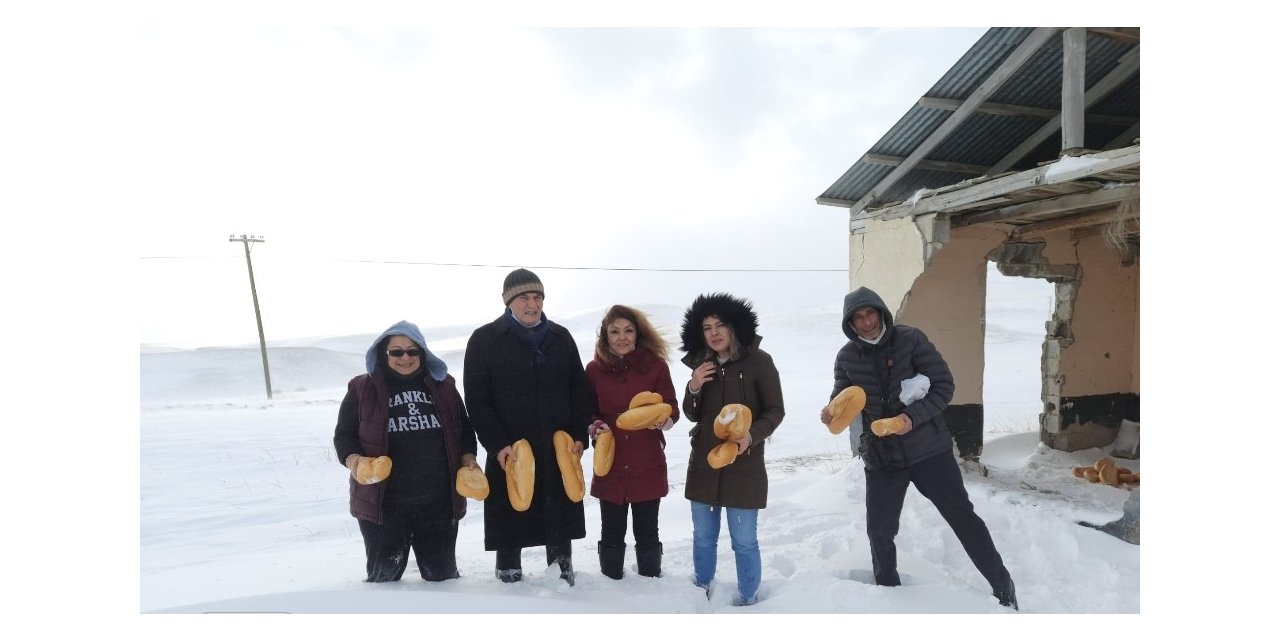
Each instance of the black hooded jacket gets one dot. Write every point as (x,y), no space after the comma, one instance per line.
(900,354)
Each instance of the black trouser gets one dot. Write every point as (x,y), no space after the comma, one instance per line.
(644,517)
(509,557)
(938,479)
(432,536)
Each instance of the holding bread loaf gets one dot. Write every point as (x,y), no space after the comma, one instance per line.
(570,466)
(734,395)
(471,483)
(635,405)
(646,410)
(520,469)
(406,387)
(845,407)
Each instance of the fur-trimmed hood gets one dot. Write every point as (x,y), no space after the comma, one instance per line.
(735,312)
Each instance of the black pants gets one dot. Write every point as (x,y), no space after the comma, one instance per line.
(508,558)
(644,517)
(432,536)
(938,479)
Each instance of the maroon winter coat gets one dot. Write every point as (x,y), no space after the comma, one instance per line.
(639,471)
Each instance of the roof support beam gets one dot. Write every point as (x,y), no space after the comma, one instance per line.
(1016,59)
(1127,35)
(1002,109)
(1065,170)
(1073,88)
(1071,202)
(1125,68)
(931,165)
(1069,222)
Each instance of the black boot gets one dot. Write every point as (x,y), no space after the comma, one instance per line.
(507,567)
(649,560)
(562,555)
(611,557)
(1006,596)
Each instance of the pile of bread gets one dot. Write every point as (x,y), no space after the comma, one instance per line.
(1105,471)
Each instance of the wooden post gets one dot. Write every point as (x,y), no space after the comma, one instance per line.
(1073,59)
(257,313)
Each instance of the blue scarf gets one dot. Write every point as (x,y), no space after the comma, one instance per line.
(532,336)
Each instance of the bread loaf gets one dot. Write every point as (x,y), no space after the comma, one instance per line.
(845,407)
(471,483)
(733,422)
(644,398)
(602,461)
(570,467)
(723,455)
(889,426)
(644,417)
(373,470)
(519,471)
(1107,473)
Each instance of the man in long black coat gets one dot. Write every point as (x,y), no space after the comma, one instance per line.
(523,378)
(879,357)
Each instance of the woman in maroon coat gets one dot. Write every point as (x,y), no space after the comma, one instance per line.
(631,356)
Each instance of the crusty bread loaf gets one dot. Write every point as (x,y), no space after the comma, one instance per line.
(889,426)
(1107,473)
(723,455)
(1090,474)
(644,398)
(471,483)
(570,467)
(520,475)
(733,422)
(602,461)
(845,407)
(645,416)
(373,470)
(1079,471)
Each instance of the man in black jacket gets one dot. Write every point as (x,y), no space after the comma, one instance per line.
(916,447)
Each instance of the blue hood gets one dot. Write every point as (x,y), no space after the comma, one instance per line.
(435,366)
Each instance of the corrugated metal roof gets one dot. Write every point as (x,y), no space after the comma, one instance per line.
(984,139)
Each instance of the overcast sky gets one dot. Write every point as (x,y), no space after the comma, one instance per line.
(356,151)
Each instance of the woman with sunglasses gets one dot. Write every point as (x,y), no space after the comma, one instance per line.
(406,408)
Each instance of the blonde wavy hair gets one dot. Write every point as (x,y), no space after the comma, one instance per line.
(647,337)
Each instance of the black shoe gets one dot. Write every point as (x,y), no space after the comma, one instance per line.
(508,575)
(649,560)
(1007,597)
(611,557)
(566,568)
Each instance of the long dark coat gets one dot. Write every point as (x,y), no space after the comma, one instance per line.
(751,379)
(510,396)
(639,471)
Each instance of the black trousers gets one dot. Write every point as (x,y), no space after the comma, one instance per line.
(508,558)
(644,517)
(938,479)
(432,537)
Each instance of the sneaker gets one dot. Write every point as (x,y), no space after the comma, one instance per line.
(508,575)
(739,601)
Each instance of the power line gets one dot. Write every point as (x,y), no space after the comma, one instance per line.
(527,266)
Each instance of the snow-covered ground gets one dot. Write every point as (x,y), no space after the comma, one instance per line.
(244,508)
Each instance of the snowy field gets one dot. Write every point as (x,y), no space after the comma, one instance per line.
(244,508)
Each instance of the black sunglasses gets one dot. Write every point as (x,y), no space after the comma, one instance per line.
(396,353)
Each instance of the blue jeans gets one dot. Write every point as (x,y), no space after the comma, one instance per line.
(742,535)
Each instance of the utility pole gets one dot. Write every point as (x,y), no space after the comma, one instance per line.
(262,339)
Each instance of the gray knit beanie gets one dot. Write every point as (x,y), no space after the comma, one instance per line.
(519,282)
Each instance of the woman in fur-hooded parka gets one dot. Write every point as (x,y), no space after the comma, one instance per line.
(747,377)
